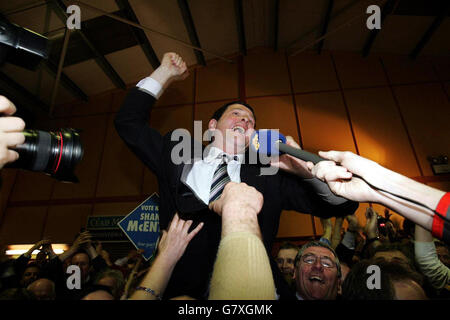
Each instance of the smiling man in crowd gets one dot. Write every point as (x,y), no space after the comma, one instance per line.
(317,272)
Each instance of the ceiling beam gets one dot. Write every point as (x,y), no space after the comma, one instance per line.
(240,26)
(325,23)
(276,25)
(67,83)
(192,32)
(59,71)
(21,93)
(139,33)
(387,9)
(430,31)
(317,28)
(60,9)
(115,17)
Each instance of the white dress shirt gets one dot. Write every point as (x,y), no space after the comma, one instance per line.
(198,176)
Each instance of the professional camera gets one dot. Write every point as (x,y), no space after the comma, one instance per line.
(55,153)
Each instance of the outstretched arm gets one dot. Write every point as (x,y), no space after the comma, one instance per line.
(242,268)
(132,120)
(427,259)
(171,247)
(83,238)
(340,173)
(300,168)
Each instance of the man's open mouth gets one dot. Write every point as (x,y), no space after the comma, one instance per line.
(316,279)
(238,129)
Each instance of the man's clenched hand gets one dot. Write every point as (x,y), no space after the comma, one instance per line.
(172,68)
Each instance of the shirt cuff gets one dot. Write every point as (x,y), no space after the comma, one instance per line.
(121,262)
(151,86)
(425,249)
(349,240)
(322,189)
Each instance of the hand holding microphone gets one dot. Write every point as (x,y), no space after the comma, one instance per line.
(307,165)
(272,143)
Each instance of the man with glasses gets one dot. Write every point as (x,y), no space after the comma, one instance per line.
(317,272)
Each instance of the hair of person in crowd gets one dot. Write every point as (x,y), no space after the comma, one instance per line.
(113,279)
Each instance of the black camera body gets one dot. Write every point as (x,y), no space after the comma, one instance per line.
(382,225)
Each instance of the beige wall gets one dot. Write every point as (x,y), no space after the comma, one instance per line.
(387,108)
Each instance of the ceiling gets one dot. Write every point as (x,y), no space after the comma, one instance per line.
(109,54)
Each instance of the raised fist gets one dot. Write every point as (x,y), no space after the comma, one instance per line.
(174,66)
(236,197)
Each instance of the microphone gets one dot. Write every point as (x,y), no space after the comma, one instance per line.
(271,143)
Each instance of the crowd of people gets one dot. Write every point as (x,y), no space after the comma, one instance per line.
(219,217)
(49,276)
(377,261)
(380,261)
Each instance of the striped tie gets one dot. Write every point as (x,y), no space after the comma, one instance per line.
(220,179)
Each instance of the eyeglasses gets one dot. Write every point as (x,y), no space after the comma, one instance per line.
(326,262)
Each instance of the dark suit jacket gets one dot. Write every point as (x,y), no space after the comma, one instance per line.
(280,191)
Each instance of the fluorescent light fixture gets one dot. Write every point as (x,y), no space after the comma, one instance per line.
(18,249)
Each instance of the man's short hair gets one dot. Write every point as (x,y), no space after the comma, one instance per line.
(406,249)
(115,274)
(355,285)
(288,245)
(32,265)
(219,112)
(319,244)
(83,252)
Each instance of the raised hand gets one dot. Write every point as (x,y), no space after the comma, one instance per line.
(173,243)
(174,66)
(371,227)
(83,239)
(353,224)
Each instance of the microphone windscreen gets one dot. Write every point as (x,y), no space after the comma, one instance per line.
(264,141)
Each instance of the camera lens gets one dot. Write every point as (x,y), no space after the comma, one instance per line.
(55,153)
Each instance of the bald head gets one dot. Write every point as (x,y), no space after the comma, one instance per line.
(43,289)
(98,295)
(409,290)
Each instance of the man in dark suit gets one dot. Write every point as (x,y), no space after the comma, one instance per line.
(188,187)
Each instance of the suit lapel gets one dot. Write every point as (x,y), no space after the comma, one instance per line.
(251,175)
(185,198)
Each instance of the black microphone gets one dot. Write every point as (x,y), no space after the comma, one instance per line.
(271,142)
